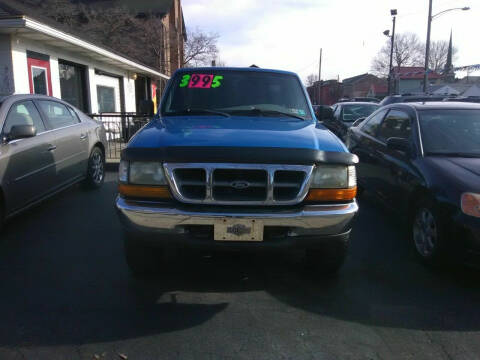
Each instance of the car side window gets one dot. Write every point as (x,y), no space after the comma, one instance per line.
(337,112)
(58,115)
(23,113)
(371,125)
(74,113)
(396,124)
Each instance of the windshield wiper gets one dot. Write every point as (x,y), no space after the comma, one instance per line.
(284,114)
(198,111)
(454,154)
(262,112)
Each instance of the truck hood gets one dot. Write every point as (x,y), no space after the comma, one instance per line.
(236,131)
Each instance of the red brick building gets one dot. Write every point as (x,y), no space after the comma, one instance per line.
(325,92)
(365,85)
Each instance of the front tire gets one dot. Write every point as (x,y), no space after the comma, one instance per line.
(428,233)
(96,169)
(328,259)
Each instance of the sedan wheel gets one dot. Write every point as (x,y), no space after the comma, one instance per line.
(425,233)
(96,169)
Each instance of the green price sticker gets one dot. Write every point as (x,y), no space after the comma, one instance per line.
(185,81)
(201,81)
(216,81)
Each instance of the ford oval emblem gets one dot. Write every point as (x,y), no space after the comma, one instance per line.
(240,185)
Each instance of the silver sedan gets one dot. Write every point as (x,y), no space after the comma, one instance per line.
(46,145)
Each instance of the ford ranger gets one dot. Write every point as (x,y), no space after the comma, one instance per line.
(235,158)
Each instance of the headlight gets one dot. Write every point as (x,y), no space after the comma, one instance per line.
(123,171)
(146,173)
(334,177)
(471,204)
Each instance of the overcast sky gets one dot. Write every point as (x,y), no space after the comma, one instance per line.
(287,34)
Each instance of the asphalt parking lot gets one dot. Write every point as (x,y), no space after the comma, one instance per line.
(65,293)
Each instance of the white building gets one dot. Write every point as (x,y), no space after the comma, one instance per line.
(38,58)
(457,89)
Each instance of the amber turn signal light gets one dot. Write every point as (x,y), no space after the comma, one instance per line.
(142,191)
(331,194)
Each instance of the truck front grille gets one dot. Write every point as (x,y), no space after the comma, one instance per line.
(192,183)
(238,184)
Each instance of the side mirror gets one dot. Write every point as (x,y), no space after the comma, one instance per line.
(399,144)
(324,113)
(358,121)
(21,132)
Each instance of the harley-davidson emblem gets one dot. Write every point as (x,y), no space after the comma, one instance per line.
(240,185)
(239,230)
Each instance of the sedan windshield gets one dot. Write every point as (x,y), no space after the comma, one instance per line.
(244,93)
(451,132)
(354,112)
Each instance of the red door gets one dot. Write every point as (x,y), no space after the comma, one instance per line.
(39,76)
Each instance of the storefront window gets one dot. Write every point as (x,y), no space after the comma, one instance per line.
(106,99)
(73,84)
(39,77)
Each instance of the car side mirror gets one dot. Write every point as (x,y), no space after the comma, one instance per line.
(358,121)
(21,132)
(399,144)
(324,113)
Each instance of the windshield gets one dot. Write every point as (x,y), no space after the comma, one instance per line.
(246,93)
(354,112)
(450,132)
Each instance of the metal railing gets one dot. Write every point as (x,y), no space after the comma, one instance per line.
(120,127)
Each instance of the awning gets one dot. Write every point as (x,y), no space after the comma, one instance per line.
(37,31)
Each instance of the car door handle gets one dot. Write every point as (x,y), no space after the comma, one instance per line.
(83,136)
(51,148)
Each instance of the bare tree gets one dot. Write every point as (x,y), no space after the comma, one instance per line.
(438,55)
(200,48)
(311,80)
(152,35)
(407,51)
(62,11)
(110,27)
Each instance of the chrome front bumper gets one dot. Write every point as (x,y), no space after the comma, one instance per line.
(306,221)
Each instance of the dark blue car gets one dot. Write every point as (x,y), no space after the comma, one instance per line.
(236,159)
(423,160)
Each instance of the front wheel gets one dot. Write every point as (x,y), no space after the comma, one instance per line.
(428,233)
(328,259)
(96,169)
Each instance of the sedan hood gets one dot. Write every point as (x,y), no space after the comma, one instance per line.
(470,164)
(236,131)
(458,172)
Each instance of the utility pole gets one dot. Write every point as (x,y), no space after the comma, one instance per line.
(390,72)
(320,77)
(427,50)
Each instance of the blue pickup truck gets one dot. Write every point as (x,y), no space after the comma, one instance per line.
(236,159)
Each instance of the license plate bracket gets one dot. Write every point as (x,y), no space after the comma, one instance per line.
(230,229)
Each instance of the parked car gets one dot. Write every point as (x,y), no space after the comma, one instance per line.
(345,114)
(46,146)
(236,159)
(407,98)
(423,160)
